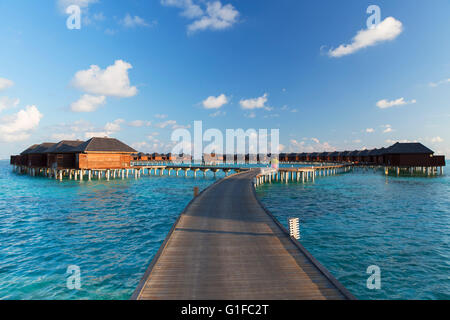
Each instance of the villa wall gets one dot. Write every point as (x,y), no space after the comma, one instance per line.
(60,161)
(103,161)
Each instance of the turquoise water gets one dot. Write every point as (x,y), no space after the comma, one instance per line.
(352,221)
(111,230)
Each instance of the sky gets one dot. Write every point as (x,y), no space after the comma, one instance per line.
(327,74)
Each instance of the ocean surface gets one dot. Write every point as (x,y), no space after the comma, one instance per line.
(111,231)
(355,220)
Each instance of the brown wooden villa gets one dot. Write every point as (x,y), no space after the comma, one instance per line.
(93,154)
(62,155)
(399,155)
(412,155)
(111,154)
(36,156)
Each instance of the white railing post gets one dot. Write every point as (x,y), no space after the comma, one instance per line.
(294,228)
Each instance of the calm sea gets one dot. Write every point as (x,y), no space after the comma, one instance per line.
(355,220)
(111,230)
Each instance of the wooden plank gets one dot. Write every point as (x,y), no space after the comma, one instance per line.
(225,245)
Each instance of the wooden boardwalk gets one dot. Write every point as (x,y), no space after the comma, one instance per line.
(226,246)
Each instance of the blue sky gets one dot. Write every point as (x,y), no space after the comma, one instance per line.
(136,70)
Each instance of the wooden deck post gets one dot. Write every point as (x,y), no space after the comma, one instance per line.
(441,170)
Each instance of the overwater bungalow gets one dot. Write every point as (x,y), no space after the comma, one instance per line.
(36,155)
(95,153)
(353,156)
(412,155)
(363,156)
(372,156)
(293,157)
(332,156)
(284,157)
(156,157)
(314,156)
(62,155)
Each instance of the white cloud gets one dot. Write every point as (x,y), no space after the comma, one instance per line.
(108,130)
(436,84)
(387,128)
(215,102)
(113,81)
(251,115)
(7,103)
(256,103)
(437,139)
(161,116)
(190,9)
(134,21)
(217,17)
(179,126)
(383,104)
(154,146)
(218,113)
(114,126)
(99,16)
(17,127)
(82,129)
(165,124)
(63,136)
(306,146)
(5,83)
(370,130)
(88,103)
(388,29)
(214,16)
(392,141)
(139,146)
(140,123)
(273,115)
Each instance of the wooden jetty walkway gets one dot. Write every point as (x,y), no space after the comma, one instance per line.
(226,246)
